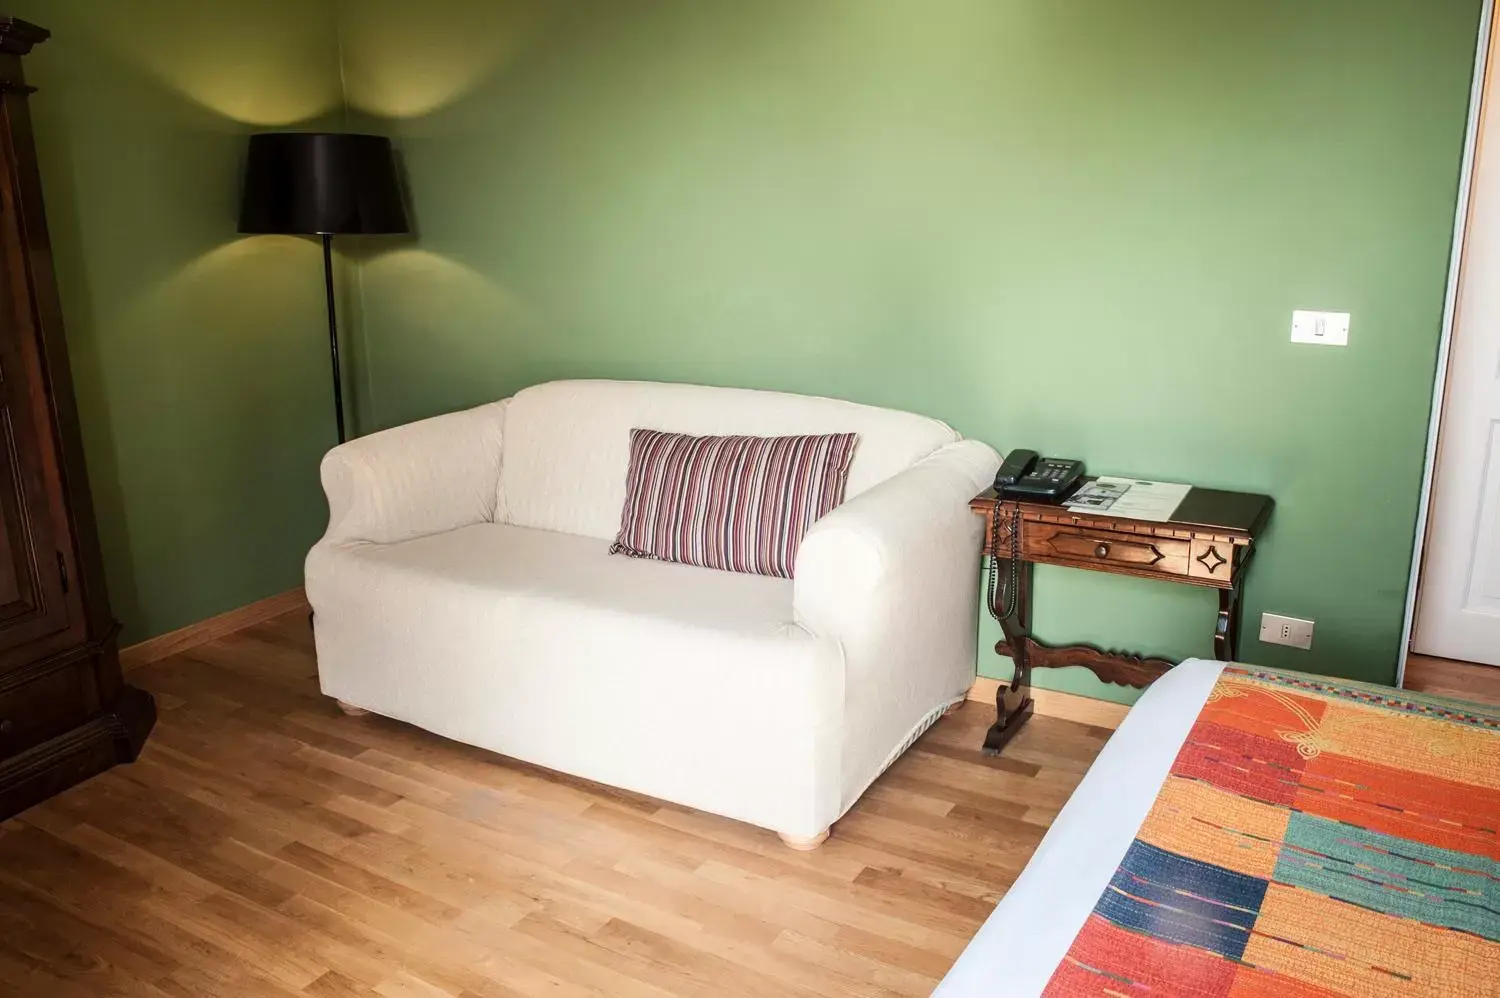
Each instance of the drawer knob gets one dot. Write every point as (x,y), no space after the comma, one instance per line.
(1102,551)
(6,726)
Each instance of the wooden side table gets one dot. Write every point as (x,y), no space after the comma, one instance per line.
(1208,541)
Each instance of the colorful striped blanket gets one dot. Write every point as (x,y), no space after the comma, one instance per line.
(1314,838)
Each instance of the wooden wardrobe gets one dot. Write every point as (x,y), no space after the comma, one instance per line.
(65,712)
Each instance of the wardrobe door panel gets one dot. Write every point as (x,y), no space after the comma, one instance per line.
(35,553)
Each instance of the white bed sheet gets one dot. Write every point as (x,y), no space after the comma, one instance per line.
(1024,939)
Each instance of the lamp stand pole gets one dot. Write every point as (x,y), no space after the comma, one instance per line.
(333,333)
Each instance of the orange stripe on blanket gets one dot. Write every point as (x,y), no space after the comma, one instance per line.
(1421,808)
(1425,745)
(1201,822)
(1258,982)
(1324,723)
(1136,965)
(1354,951)
(1259,709)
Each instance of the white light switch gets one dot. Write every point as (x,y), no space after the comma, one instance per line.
(1328,328)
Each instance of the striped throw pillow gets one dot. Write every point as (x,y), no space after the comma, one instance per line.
(740,504)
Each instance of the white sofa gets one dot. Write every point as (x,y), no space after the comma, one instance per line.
(464,586)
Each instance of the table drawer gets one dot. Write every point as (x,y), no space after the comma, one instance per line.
(1107,549)
(37,710)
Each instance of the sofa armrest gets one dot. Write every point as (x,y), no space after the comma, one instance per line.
(893,577)
(423,478)
(918,520)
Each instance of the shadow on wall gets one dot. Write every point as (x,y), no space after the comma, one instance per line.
(199,368)
(400,74)
(444,283)
(274,77)
(441,300)
(397,67)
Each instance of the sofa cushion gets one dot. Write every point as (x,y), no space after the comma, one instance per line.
(567,443)
(491,562)
(541,646)
(738,504)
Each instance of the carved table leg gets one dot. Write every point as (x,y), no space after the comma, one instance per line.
(1227,627)
(1013,704)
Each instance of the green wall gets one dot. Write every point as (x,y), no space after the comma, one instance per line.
(199,356)
(1080,227)
(1077,227)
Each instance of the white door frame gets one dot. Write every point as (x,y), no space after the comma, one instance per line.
(1445,342)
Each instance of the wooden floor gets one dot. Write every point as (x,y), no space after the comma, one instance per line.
(264,844)
(1442,677)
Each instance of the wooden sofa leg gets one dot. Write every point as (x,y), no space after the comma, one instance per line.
(803,843)
(351,710)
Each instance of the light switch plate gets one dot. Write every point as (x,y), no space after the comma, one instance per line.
(1291,631)
(1328,328)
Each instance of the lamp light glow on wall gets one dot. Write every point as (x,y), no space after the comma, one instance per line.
(323,184)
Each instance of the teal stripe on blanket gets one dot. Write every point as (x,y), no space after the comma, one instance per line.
(1391,875)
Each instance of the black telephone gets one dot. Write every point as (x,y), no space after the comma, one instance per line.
(1027,476)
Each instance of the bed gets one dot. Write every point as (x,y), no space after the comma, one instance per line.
(1250,833)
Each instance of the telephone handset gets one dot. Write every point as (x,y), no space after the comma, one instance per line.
(1028,477)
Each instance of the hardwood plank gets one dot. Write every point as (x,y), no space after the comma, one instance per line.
(266,844)
(1464,680)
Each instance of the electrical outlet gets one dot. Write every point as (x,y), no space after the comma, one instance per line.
(1291,631)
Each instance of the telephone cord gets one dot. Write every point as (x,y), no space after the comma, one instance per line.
(1012,594)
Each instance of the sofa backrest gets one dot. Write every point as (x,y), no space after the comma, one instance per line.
(567,443)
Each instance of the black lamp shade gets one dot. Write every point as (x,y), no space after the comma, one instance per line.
(321,183)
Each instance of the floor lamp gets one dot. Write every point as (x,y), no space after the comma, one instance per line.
(323,184)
